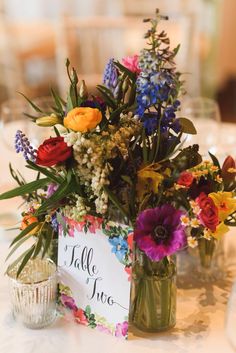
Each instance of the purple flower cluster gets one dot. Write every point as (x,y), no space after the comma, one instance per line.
(110,77)
(159,232)
(22,144)
(168,120)
(54,222)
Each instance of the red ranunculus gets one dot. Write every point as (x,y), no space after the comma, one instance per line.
(53,151)
(185,179)
(209,212)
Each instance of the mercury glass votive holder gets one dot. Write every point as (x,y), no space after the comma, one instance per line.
(34,293)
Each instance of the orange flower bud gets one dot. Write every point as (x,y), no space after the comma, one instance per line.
(228,171)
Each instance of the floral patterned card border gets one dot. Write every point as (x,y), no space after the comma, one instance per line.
(115,242)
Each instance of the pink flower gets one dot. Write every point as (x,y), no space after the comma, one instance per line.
(121,329)
(104,329)
(131,63)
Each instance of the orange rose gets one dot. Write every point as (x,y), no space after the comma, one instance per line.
(27,220)
(82,119)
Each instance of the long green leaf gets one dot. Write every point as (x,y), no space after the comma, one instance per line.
(122,68)
(33,105)
(25,189)
(39,244)
(214,160)
(25,260)
(115,201)
(145,154)
(63,190)
(107,97)
(116,113)
(17,245)
(24,232)
(57,102)
(46,172)
(56,131)
(15,262)
(47,244)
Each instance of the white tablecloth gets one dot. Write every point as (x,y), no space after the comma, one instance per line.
(200,312)
(200,321)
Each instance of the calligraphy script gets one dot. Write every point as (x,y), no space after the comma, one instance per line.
(82,258)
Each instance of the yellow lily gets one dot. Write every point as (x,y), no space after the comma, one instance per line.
(149,179)
(221,229)
(225,203)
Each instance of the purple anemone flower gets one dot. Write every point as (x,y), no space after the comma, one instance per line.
(159,232)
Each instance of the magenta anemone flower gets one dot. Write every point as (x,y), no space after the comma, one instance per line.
(159,232)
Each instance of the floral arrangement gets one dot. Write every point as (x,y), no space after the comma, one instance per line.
(209,191)
(119,155)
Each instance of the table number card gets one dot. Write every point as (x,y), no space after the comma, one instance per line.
(94,257)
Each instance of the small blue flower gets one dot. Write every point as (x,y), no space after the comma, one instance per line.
(22,144)
(110,76)
(54,222)
(119,248)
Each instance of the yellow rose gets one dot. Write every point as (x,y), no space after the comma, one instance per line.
(82,119)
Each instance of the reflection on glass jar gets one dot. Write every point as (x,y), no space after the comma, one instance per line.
(33,293)
(153,293)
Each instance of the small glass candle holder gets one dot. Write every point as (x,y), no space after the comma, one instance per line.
(34,293)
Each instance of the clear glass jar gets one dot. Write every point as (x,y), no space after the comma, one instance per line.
(208,260)
(153,293)
(34,293)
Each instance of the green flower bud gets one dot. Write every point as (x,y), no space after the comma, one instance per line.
(83,91)
(50,120)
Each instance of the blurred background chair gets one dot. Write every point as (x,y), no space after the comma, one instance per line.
(27,53)
(90,42)
(36,37)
